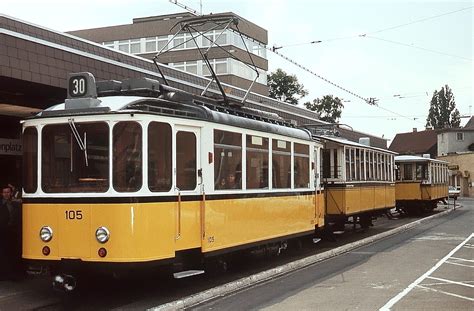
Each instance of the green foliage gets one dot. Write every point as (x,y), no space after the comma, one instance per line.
(328,107)
(443,112)
(285,87)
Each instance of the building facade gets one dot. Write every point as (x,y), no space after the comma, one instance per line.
(147,36)
(457,147)
(455,141)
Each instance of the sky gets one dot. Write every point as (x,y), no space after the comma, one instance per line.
(397,51)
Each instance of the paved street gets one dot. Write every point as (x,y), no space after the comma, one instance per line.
(430,267)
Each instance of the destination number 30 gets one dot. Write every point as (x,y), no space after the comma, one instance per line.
(78,86)
(71,215)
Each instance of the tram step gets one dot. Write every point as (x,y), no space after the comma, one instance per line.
(187,273)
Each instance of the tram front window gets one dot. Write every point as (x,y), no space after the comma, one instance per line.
(68,167)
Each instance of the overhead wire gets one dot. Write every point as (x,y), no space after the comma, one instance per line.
(419,20)
(416,47)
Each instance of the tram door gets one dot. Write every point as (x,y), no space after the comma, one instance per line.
(186,171)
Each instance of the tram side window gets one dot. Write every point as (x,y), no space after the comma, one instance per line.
(357,164)
(228,160)
(159,157)
(30,159)
(421,171)
(407,172)
(367,165)
(326,163)
(336,165)
(348,164)
(281,163)
(257,162)
(127,156)
(301,166)
(186,160)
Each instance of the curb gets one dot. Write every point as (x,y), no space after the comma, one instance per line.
(267,275)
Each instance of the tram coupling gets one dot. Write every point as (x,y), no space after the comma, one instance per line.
(64,282)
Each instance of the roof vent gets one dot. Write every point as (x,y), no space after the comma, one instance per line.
(364,141)
(426,155)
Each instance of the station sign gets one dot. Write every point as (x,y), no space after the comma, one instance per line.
(10,146)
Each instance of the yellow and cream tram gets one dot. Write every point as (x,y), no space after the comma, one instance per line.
(421,183)
(358,181)
(151,174)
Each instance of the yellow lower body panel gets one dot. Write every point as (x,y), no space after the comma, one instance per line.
(409,191)
(138,232)
(141,232)
(231,223)
(359,198)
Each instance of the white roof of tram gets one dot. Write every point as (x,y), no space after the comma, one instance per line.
(114,103)
(411,158)
(344,141)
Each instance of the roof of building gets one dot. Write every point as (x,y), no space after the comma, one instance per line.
(414,142)
(470,124)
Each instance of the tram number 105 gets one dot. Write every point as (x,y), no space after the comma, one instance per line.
(72,215)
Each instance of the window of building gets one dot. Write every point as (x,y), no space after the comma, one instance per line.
(257,162)
(110,44)
(189,41)
(228,160)
(220,66)
(221,38)
(135,46)
(281,163)
(124,46)
(30,159)
(150,45)
(207,39)
(162,41)
(460,136)
(178,42)
(159,157)
(66,167)
(127,156)
(186,170)
(301,166)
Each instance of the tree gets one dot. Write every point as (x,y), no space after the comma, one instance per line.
(443,112)
(328,107)
(285,87)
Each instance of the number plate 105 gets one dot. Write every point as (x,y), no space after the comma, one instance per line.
(73,214)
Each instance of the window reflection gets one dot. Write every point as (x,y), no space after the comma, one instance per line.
(67,168)
(186,160)
(257,162)
(127,159)
(159,157)
(228,160)
(30,159)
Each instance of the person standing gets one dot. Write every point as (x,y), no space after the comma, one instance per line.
(11,237)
